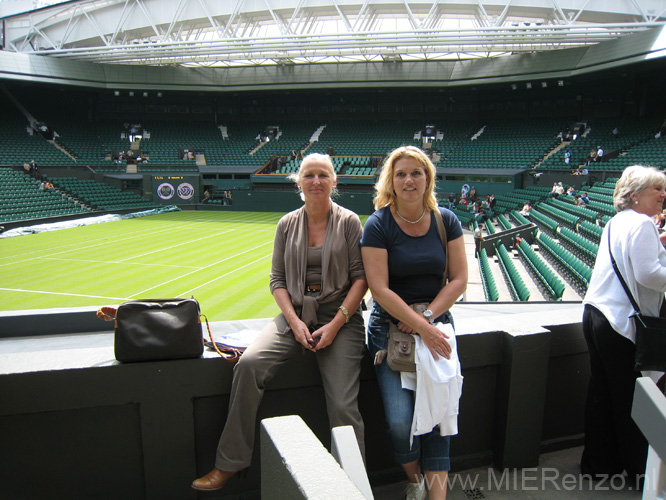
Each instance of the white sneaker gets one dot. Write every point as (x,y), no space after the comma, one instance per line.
(415,491)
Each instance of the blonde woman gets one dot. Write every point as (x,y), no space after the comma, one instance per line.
(404,263)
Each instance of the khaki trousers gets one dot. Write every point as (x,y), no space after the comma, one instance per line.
(339,366)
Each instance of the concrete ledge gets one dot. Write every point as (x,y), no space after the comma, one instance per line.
(295,465)
(344,447)
(649,413)
(525,368)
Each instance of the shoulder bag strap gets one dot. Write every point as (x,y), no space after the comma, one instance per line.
(107,313)
(228,353)
(442,236)
(619,275)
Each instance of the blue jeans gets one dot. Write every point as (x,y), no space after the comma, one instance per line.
(431,449)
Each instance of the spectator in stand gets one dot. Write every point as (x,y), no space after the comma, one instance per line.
(553,192)
(34,171)
(567,157)
(479,212)
(464,191)
(26,167)
(527,209)
(592,157)
(577,201)
(452,200)
(472,194)
(206,196)
(570,191)
(600,153)
(491,202)
(585,199)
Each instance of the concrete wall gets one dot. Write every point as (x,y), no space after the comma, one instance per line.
(76,424)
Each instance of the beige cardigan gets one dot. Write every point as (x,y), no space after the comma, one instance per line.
(341,259)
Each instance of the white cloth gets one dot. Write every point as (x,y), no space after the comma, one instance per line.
(438,387)
(641,259)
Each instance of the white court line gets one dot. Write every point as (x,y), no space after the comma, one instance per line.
(224,275)
(61,293)
(120,262)
(210,265)
(72,247)
(188,242)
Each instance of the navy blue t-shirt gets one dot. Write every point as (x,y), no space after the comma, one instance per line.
(415,263)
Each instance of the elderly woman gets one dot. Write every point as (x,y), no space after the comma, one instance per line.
(405,262)
(613,442)
(318,283)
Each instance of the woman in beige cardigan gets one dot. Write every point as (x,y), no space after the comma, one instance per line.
(318,282)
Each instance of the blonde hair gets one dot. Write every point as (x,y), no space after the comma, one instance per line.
(314,157)
(384,193)
(635,180)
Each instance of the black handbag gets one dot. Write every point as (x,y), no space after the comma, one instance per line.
(156,329)
(650,331)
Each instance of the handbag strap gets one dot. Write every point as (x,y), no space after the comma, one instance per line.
(228,353)
(107,313)
(442,236)
(619,275)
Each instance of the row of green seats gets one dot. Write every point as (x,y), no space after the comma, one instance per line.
(580,271)
(504,222)
(487,278)
(464,217)
(568,206)
(604,208)
(520,219)
(553,284)
(591,230)
(582,245)
(544,221)
(559,215)
(518,288)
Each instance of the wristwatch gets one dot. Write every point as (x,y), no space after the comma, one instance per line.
(427,314)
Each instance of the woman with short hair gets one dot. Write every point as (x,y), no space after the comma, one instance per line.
(318,282)
(613,442)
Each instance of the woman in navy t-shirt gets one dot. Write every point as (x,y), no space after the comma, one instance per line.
(404,263)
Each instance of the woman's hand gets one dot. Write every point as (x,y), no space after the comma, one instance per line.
(324,336)
(435,340)
(302,334)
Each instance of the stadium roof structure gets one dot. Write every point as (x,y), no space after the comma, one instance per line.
(256,33)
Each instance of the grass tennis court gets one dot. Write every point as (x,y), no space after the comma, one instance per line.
(221,258)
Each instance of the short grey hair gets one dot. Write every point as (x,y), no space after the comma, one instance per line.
(635,180)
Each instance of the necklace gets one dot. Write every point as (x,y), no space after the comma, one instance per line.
(411,221)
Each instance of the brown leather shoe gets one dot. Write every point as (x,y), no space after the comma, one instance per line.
(215,479)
